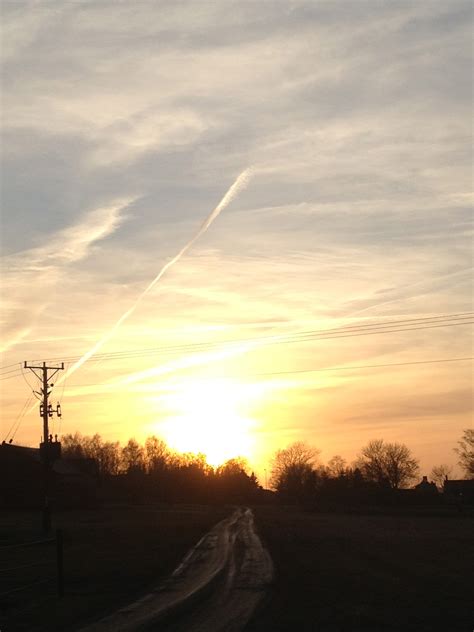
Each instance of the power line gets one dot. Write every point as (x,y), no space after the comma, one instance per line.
(365,366)
(371,333)
(381,325)
(18,418)
(273,341)
(463,318)
(24,377)
(21,417)
(9,365)
(61,399)
(269,340)
(324,369)
(18,366)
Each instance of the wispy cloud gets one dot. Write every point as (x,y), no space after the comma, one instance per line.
(74,242)
(239,184)
(359,119)
(32,275)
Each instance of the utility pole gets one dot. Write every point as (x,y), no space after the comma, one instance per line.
(45,374)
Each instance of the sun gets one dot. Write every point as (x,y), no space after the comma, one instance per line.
(209,419)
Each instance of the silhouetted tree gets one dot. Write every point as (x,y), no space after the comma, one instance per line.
(336,466)
(233,483)
(233,466)
(196,461)
(298,484)
(110,458)
(157,454)
(389,463)
(133,456)
(107,455)
(154,471)
(439,473)
(465,452)
(293,472)
(71,446)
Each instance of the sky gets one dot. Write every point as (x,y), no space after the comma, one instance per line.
(124,125)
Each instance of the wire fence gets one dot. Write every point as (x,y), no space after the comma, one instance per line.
(27,565)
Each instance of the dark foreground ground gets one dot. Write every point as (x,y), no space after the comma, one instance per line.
(350,572)
(334,572)
(110,557)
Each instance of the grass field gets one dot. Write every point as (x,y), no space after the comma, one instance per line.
(335,572)
(110,556)
(350,573)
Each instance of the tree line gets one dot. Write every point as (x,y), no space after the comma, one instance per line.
(154,471)
(380,470)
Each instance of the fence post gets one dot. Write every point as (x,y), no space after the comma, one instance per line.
(59,562)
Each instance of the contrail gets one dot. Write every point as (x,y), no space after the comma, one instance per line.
(240,183)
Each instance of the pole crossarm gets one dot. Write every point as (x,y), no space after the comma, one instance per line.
(54,369)
(45,373)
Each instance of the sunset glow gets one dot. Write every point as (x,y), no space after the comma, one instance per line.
(239,228)
(209,421)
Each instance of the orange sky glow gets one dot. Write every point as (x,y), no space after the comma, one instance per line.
(327,299)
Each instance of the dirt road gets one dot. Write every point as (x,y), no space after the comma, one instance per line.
(216,588)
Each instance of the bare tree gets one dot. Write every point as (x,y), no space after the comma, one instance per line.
(133,456)
(392,463)
(157,454)
(371,461)
(237,465)
(295,461)
(109,459)
(465,452)
(336,466)
(440,473)
(193,461)
(92,446)
(106,454)
(72,446)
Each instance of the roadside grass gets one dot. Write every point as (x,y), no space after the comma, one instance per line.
(367,573)
(111,556)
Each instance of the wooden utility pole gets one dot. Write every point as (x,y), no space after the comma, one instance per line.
(46,411)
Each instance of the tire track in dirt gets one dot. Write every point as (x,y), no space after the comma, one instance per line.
(217,586)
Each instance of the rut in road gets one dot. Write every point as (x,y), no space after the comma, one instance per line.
(216,588)
(247,575)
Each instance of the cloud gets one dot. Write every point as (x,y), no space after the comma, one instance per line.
(428,405)
(358,119)
(240,183)
(73,243)
(32,275)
